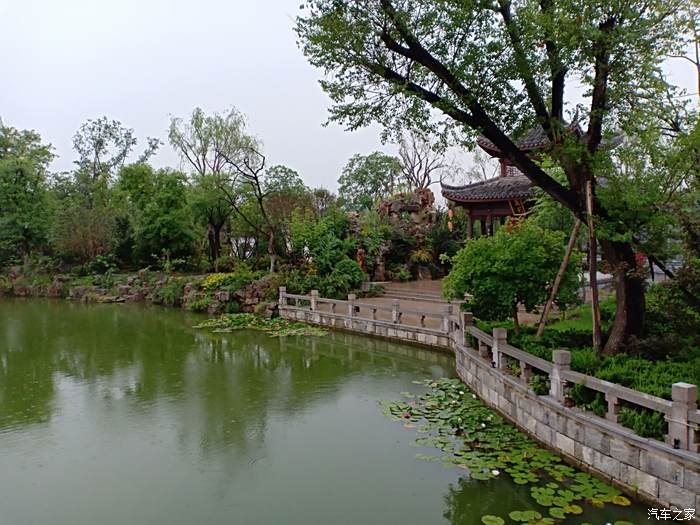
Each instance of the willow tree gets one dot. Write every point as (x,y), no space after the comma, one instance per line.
(497,68)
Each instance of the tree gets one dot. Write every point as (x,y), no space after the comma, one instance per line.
(286,192)
(507,269)
(499,68)
(103,146)
(24,211)
(88,217)
(420,162)
(161,215)
(211,208)
(367,179)
(204,142)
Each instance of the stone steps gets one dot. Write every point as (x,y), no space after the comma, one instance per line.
(413,296)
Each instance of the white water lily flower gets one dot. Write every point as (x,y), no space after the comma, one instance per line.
(474,396)
(483,425)
(495,472)
(461,392)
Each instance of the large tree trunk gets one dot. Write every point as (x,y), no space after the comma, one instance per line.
(214,238)
(629,292)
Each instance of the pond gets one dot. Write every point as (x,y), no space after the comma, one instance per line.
(121,414)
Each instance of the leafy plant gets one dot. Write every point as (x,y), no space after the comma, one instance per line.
(511,268)
(276,327)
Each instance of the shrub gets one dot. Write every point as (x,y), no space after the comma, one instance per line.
(199,304)
(644,422)
(226,263)
(170,293)
(101,264)
(400,272)
(239,278)
(511,268)
(345,277)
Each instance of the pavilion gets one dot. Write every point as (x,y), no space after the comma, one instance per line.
(509,194)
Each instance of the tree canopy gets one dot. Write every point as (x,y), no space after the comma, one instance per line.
(456,70)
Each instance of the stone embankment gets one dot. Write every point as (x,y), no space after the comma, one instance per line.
(182,291)
(665,473)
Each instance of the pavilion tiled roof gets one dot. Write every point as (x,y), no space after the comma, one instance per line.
(537,138)
(513,186)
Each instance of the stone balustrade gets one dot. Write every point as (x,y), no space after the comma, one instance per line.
(666,473)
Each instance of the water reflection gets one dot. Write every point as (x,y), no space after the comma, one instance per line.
(125,414)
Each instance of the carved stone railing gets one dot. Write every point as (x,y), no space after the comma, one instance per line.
(681,412)
(666,473)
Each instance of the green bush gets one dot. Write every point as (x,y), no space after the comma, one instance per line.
(511,268)
(170,294)
(232,281)
(345,277)
(200,304)
(643,422)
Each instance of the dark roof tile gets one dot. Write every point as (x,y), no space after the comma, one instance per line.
(516,186)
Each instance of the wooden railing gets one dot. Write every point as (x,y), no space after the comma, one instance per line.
(681,413)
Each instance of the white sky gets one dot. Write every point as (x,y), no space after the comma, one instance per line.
(142,61)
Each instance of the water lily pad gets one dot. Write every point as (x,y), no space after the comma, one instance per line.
(622,501)
(525,515)
(573,509)
(557,512)
(490,519)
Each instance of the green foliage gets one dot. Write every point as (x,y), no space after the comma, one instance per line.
(199,304)
(236,280)
(645,423)
(540,384)
(508,269)
(345,277)
(322,241)
(170,294)
(367,179)
(421,256)
(24,203)
(400,272)
(471,436)
(162,218)
(276,327)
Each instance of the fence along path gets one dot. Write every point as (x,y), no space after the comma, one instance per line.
(666,472)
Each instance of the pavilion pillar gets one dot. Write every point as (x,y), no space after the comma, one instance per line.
(489,224)
(470,226)
(482,223)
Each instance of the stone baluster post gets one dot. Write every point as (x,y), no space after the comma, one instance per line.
(500,338)
(562,362)
(315,315)
(467,323)
(681,432)
(525,372)
(351,311)
(351,305)
(613,407)
(283,296)
(446,318)
(395,313)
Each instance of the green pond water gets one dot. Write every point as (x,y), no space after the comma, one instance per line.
(122,414)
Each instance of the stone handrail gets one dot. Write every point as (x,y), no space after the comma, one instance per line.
(662,472)
(681,412)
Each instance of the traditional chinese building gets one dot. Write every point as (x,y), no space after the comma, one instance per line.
(509,194)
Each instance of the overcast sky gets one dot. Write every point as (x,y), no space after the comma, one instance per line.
(143,61)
